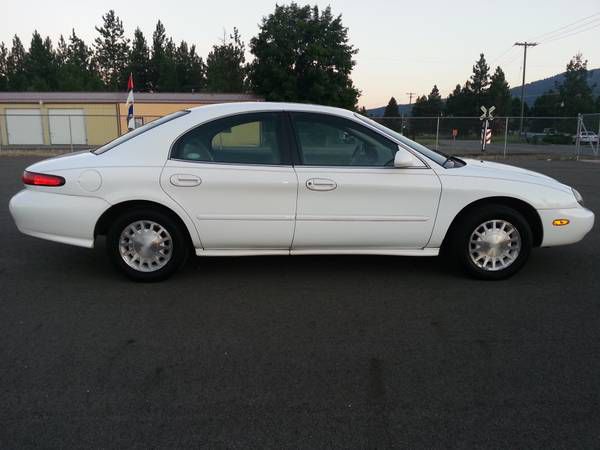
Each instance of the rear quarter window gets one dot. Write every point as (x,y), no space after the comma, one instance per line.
(149,126)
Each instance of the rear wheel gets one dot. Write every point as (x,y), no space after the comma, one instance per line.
(492,243)
(146,245)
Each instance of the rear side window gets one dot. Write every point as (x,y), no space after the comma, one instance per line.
(241,139)
(138,131)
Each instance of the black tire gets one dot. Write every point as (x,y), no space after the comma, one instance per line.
(179,250)
(460,238)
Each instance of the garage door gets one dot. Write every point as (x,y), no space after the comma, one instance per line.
(24,127)
(63,132)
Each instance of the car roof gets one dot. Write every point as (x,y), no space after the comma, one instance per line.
(241,107)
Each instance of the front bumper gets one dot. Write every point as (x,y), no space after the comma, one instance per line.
(69,219)
(581,221)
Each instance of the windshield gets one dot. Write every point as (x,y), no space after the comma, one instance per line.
(437,157)
(124,138)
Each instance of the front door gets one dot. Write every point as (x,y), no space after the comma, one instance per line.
(349,194)
(234,178)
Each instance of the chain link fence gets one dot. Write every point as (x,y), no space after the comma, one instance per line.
(564,137)
(543,136)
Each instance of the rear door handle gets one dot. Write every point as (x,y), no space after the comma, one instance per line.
(321,184)
(185,180)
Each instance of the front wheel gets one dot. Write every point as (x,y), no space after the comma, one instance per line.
(492,243)
(146,245)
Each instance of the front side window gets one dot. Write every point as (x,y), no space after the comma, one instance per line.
(325,140)
(241,139)
(436,156)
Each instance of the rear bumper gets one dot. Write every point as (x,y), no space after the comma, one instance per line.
(581,221)
(62,218)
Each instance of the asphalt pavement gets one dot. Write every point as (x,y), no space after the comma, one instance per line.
(299,352)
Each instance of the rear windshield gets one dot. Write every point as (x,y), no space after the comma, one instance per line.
(155,123)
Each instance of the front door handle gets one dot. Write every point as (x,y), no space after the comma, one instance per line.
(185,180)
(321,184)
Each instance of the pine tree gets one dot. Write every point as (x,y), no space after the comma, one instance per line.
(60,55)
(226,66)
(40,65)
(111,50)
(76,69)
(499,93)
(575,92)
(546,105)
(474,93)
(435,104)
(419,109)
(81,57)
(191,71)
(480,79)
(3,68)
(15,66)
(452,102)
(168,81)
(197,71)
(157,60)
(391,110)
(515,107)
(139,61)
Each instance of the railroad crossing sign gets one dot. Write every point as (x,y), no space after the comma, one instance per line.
(487,113)
(486,131)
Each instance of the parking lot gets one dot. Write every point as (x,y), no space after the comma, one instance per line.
(302,352)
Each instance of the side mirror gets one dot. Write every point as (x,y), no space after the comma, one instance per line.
(404,159)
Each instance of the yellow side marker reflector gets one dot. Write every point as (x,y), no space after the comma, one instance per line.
(560,222)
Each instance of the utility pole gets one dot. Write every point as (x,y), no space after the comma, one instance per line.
(524,45)
(410,96)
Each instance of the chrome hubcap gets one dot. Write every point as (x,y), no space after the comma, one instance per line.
(494,245)
(145,246)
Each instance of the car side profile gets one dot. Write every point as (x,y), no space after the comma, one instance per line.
(287,179)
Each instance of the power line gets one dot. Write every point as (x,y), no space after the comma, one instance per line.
(548,34)
(502,55)
(410,94)
(564,36)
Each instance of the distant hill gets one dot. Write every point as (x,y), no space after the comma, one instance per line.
(378,112)
(536,88)
(532,91)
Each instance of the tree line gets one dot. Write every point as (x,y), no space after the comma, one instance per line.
(573,95)
(301,54)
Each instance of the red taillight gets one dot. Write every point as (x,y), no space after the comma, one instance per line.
(42,179)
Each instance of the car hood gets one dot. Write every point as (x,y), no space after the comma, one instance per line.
(488,169)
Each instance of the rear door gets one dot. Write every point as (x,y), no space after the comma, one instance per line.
(234,177)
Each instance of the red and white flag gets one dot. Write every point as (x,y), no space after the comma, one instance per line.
(130,116)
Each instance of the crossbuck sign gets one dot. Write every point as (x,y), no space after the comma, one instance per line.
(486,131)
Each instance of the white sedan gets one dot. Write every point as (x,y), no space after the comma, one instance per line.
(290,179)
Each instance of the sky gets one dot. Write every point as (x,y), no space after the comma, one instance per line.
(404,46)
